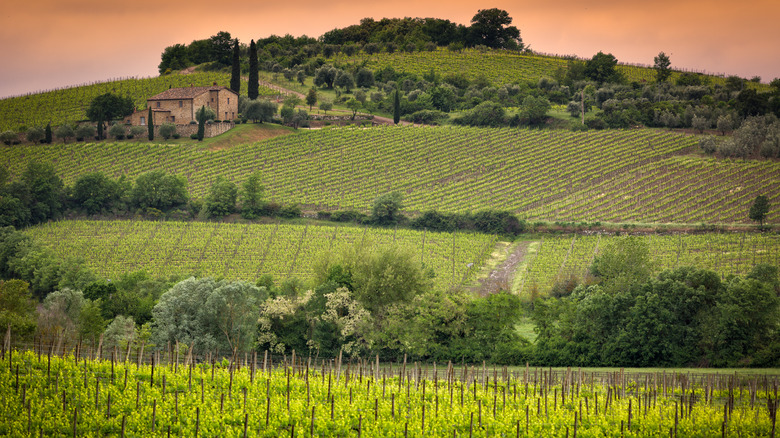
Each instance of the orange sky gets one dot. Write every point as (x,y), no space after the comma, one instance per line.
(53,43)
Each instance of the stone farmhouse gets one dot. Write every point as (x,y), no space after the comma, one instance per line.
(179,105)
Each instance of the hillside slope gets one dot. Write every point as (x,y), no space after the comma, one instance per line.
(551,175)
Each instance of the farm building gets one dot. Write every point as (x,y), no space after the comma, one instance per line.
(179,105)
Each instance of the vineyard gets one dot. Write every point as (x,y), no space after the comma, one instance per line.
(635,175)
(497,66)
(69,105)
(80,394)
(245,252)
(558,258)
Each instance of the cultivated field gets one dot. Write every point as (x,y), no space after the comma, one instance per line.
(497,66)
(246,252)
(631,175)
(62,396)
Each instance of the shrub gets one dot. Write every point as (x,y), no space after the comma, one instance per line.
(194,136)
(8,137)
(167,130)
(118,131)
(85,132)
(290,211)
(137,131)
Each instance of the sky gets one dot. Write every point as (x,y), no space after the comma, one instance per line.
(46,44)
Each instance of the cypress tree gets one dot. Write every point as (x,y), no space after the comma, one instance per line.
(150,124)
(254,81)
(47,135)
(396,108)
(235,77)
(201,116)
(100,128)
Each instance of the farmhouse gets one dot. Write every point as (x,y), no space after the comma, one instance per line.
(179,105)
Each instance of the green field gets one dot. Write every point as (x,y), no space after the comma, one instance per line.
(69,105)
(66,396)
(629,175)
(559,257)
(237,251)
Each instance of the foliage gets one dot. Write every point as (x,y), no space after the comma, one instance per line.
(485,114)
(386,208)
(235,71)
(602,68)
(35,134)
(251,197)
(535,109)
(221,200)
(107,107)
(490,27)
(17,308)
(759,209)
(167,130)
(157,189)
(260,110)
(661,64)
(253,84)
(95,193)
(396,108)
(311,97)
(207,314)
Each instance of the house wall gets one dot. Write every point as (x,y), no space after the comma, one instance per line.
(223,102)
(180,110)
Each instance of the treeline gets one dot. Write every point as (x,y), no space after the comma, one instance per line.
(489,27)
(39,195)
(680,317)
(367,301)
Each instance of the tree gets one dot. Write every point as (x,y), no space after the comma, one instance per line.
(17,308)
(385,210)
(45,191)
(235,72)
(95,192)
(396,108)
(311,97)
(150,124)
(91,323)
(364,78)
(344,80)
(353,105)
(326,106)
(662,67)
(64,132)
(252,197)
(759,209)
(535,109)
(207,314)
(260,110)
(301,76)
(221,200)
(118,131)
(47,134)
(202,116)
(108,107)
(627,258)
(35,134)
(157,189)
(167,130)
(221,48)
(253,86)
(85,132)
(602,68)
(490,27)
(325,75)
(8,137)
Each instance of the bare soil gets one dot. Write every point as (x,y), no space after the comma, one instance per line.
(501,277)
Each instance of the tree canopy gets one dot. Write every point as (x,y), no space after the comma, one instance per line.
(491,27)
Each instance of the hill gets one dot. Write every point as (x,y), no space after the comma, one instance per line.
(631,175)
(69,105)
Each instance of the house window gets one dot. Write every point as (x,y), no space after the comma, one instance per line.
(228,101)
(181,104)
(226,115)
(143,121)
(173,118)
(158,104)
(212,99)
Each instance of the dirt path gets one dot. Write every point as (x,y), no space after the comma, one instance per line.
(500,278)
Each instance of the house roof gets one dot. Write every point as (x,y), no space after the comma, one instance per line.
(186,93)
